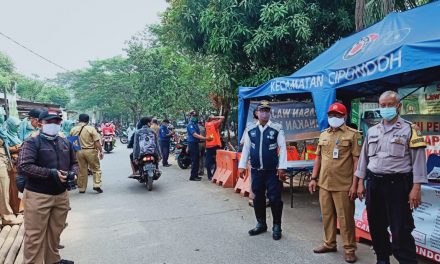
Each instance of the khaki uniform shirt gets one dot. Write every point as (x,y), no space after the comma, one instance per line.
(88,136)
(336,174)
(156,129)
(401,149)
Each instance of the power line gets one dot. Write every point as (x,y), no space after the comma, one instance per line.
(35,53)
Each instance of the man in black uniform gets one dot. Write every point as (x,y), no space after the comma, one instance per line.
(261,143)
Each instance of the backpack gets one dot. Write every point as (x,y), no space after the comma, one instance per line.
(147,142)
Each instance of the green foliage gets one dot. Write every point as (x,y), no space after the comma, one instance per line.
(36,90)
(6,71)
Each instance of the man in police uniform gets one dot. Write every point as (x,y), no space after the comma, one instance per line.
(337,156)
(261,143)
(194,138)
(164,140)
(88,155)
(393,162)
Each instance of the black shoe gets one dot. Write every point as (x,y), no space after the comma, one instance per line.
(195,179)
(167,165)
(64,261)
(259,229)
(276,232)
(383,262)
(60,246)
(98,189)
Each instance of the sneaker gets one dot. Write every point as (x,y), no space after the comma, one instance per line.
(98,189)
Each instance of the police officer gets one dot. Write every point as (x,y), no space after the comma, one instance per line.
(393,163)
(337,157)
(164,141)
(261,143)
(194,138)
(88,155)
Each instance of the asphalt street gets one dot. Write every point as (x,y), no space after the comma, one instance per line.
(185,222)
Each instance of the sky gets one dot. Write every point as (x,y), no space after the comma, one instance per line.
(71,32)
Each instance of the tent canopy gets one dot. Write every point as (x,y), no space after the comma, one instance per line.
(402,49)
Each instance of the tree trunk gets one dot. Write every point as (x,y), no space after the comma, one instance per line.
(359,15)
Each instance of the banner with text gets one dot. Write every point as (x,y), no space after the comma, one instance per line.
(298,119)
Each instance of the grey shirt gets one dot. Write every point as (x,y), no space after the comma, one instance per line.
(393,151)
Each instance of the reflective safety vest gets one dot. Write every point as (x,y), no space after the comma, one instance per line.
(310,152)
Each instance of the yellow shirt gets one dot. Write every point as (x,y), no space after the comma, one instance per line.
(88,136)
(336,174)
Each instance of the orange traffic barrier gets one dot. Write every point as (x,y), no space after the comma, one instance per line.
(243,185)
(226,172)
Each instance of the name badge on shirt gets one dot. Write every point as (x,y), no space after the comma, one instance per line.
(335,153)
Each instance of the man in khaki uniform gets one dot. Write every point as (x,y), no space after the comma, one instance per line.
(337,156)
(88,155)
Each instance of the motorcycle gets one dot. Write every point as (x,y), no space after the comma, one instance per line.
(123,137)
(108,143)
(182,155)
(148,170)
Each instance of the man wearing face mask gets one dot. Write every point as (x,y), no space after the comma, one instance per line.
(393,163)
(45,160)
(261,143)
(194,137)
(337,156)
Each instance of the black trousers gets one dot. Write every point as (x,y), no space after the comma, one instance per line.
(267,182)
(165,150)
(193,148)
(387,206)
(210,161)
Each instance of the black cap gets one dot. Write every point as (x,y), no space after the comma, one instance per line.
(264,104)
(50,114)
(35,113)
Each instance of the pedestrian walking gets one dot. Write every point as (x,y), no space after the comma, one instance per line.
(337,157)
(48,162)
(89,155)
(261,143)
(213,132)
(194,138)
(393,165)
(164,140)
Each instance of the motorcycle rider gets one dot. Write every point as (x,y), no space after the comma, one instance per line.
(144,136)
(108,130)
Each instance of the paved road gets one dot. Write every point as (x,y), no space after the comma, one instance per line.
(184,222)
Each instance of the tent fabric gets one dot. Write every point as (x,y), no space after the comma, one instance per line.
(384,54)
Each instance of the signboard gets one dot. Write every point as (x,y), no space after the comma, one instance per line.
(298,119)
(426,220)
(428,124)
(424,101)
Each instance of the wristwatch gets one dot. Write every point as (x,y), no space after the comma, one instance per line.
(313,178)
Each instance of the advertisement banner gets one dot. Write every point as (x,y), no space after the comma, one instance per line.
(425,101)
(426,220)
(298,119)
(428,124)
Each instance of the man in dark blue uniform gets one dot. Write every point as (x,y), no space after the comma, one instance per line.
(164,141)
(194,138)
(261,143)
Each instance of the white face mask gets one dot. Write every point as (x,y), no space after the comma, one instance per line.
(51,129)
(336,122)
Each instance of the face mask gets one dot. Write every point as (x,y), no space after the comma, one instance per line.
(388,113)
(264,116)
(194,119)
(51,129)
(335,122)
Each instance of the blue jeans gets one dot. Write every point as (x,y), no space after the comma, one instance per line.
(165,150)
(193,148)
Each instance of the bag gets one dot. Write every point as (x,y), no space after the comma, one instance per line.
(147,142)
(75,141)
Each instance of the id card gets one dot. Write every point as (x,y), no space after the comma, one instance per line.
(335,153)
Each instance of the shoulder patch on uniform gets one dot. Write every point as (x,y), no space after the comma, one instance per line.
(353,130)
(417,140)
(276,126)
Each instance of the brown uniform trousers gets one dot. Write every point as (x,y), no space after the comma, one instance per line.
(88,159)
(45,216)
(335,180)
(5,209)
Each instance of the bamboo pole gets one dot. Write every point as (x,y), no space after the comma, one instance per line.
(8,243)
(19,259)
(3,234)
(12,254)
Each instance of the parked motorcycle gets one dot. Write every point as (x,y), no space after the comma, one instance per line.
(182,155)
(148,170)
(108,143)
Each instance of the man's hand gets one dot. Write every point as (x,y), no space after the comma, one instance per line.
(63,178)
(282,175)
(241,172)
(209,139)
(312,186)
(352,193)
(361,190)
(415,197)
(101,155)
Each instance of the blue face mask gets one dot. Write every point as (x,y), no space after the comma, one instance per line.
(388,113)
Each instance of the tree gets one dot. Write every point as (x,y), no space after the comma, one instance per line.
(6,72)
(36,90)
(369,12)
